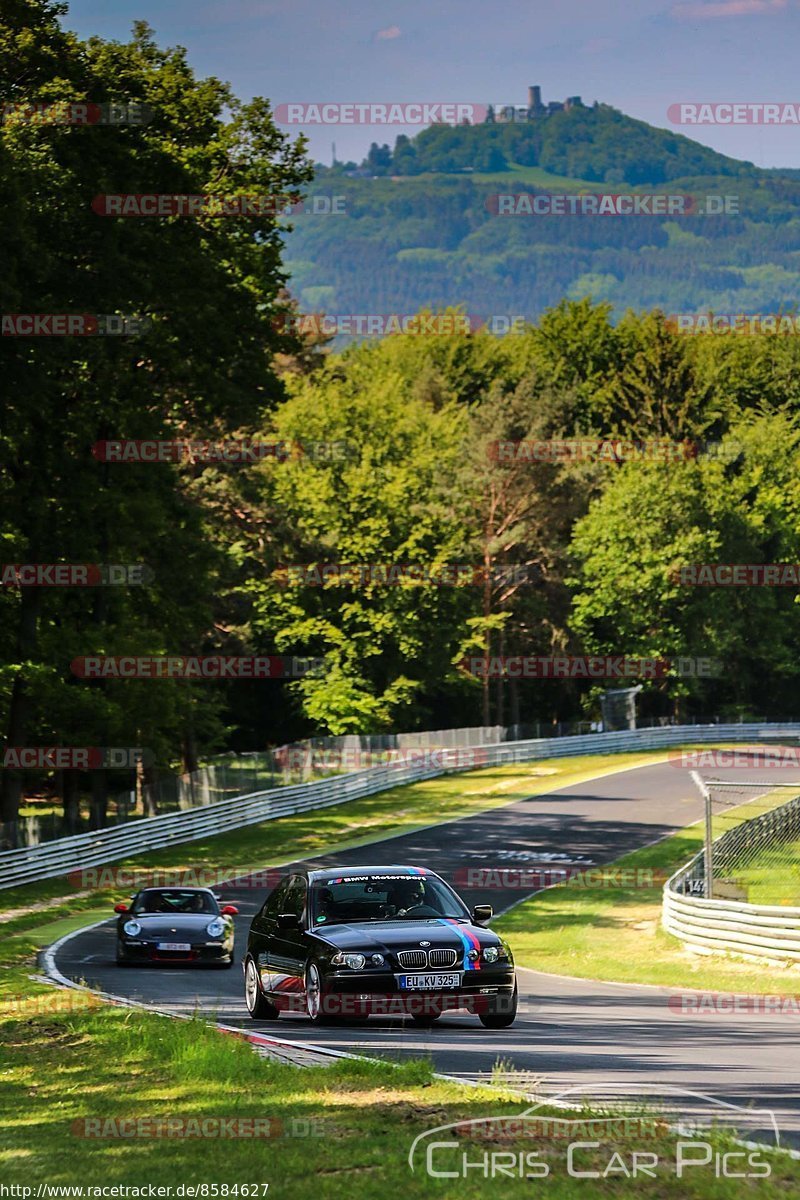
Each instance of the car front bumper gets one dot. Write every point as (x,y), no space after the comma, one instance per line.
(371,993)
(200,953)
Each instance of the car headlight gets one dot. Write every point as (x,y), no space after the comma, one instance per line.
(377,960)
(355,961)
(132,928)
(491,954)
(215,928)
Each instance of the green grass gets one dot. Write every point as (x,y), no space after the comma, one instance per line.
(342,1131)
(773,877)
(400,810)
(345,1128)
(614,933)
(536,177)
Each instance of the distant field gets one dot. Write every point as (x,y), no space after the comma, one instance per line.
(516,174)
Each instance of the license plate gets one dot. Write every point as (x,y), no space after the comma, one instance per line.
(429,983)
(174,946)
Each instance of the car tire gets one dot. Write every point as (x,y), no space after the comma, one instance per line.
(258,1005)
(313,993)
(426,1020)
(494,1019)
(314,1000)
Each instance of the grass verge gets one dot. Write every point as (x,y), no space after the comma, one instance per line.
(97,1096)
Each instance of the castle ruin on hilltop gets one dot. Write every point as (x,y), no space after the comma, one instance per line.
(534,110)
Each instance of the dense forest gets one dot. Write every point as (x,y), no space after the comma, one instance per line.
(598,144)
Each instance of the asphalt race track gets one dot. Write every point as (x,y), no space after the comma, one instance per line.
(569,1032)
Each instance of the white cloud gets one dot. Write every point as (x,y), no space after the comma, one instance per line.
(725,8)
(385,35)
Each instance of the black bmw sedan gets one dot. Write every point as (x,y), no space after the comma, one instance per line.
(355,942)
(178,925)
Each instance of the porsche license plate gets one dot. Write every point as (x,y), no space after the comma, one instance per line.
(429,983)
(174,946)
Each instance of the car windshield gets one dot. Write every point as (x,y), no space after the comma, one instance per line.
(175,900)
(383,898)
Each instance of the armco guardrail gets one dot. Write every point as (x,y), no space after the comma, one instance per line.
(732,926)
(51,859)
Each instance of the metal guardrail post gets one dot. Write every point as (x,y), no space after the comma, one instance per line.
(709,834)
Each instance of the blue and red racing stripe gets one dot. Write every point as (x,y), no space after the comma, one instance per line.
(469,941)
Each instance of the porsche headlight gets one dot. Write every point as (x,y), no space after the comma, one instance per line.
(491,954)
(215,928)
(132,928)
(355,961)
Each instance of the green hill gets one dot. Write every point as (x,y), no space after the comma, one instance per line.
(598,144)
(420,231)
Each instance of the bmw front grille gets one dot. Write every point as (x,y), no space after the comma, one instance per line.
(418,959)
(412,958)
(442,958)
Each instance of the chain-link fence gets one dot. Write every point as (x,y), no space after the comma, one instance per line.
(754,837)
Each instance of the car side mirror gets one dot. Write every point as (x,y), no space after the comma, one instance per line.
(482,912)
(287,921)
(121,907)
(230,910)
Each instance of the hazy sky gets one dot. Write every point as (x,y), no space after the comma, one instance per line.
(638,55)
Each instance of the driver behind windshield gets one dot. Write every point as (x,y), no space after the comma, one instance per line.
(373,898)
(408,899)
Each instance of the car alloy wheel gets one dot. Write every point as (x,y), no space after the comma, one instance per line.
(313,992)
(258,1006)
